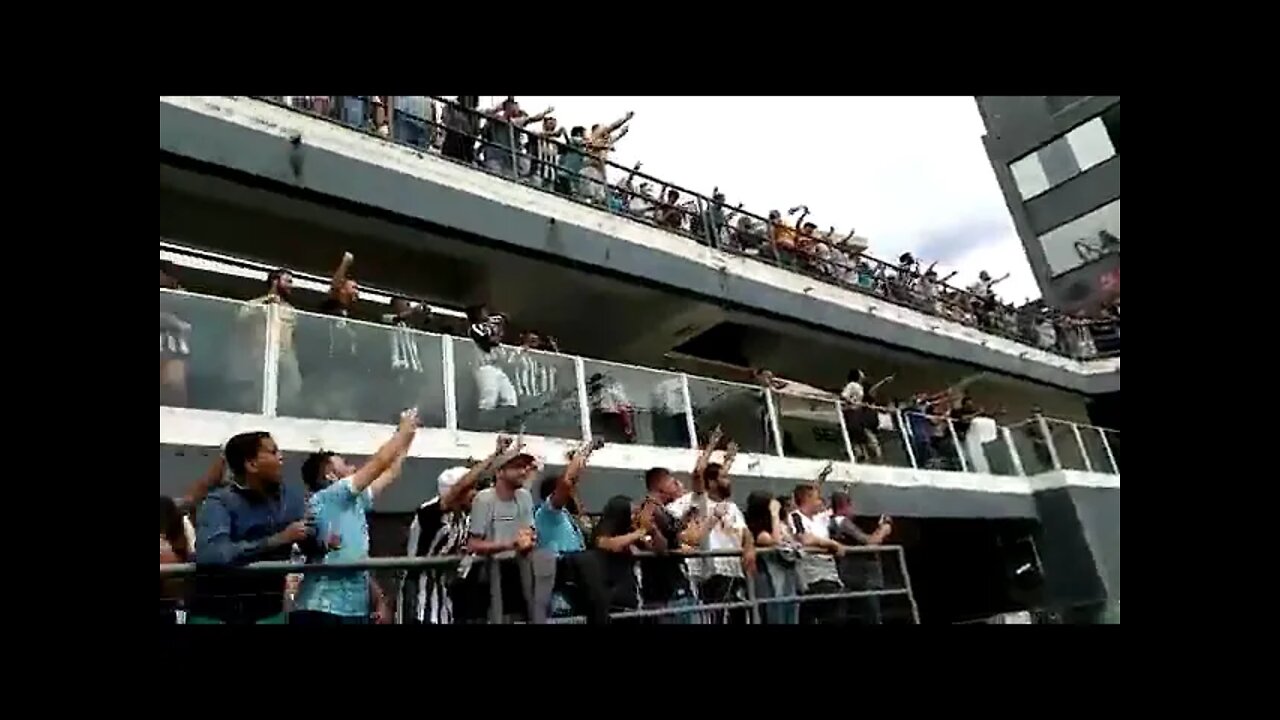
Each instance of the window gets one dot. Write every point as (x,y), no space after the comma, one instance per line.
(1079,242)
(1064,158)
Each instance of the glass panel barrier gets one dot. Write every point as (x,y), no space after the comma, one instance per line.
(211,353)
(1032,447)
(876,435)
(932,442)
(1064,441)
(1113,441)
(984,447)
(359,371)
(636,406)
(740,410)
(810,428)
(1092,438)
(512,387)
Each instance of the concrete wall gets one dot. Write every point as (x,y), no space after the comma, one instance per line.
(252,139)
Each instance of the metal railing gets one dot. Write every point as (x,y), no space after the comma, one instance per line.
(579,171)
(752,601)
(257,358)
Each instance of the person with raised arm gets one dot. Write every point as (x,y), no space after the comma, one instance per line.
(440,528)
(502,521)
(810,526)
(341,496)
(723,578)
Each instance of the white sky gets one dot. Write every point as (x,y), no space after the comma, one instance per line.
(908,173)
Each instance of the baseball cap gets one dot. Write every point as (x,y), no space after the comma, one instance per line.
(449,478)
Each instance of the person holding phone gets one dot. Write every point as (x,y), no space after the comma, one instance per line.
(859,571)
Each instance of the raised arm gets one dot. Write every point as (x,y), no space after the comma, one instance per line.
(704,457)
(631,176)
(1002,278)
(390,475)
(949,276)
(340,275)
(506,448)
(386,455)
(535,118)
(568,482)
(730,454)
(613,127)
(200,490)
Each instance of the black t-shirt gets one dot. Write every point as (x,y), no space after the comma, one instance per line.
(662,578)
(430,519)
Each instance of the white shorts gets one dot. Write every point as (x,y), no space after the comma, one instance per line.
(495,388)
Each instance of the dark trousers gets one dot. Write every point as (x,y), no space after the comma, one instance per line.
(580,578)
(822,612)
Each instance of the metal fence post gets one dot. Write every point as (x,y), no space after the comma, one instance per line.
(773,421)
(1007,434)
(495,590)
(688,411)
(906,438)
(271,360)
(450,384)
(906,583)
(1088,464)
(1106,445)
(955,438)
(844,431)
(584,406)
(1048,439)
(751,594)
(513,163)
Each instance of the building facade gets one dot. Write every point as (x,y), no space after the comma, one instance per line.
(1057,159)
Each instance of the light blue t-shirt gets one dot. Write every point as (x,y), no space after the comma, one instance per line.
(557,530)
(339,510)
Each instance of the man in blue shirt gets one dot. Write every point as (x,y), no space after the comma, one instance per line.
(255,517)
(341,495)
(579,581)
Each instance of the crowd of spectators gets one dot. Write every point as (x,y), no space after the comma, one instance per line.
(554,560)
(505,383)
(537,150)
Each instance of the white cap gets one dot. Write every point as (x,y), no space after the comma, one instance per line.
(449,478)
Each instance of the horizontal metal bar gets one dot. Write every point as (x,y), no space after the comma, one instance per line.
(409,563)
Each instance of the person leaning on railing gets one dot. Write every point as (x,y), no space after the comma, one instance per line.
(257,516)
(777,577)
(810,525)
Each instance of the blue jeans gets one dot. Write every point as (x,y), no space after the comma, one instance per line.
(683,599)
(412,131)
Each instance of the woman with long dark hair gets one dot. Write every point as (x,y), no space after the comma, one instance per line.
(174,548)
(778,577)
(615,534)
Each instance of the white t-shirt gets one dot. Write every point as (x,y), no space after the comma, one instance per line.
(853,392)
(726,534)
(814,565)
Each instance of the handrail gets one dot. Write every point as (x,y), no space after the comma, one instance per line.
(410,562)
(711,218)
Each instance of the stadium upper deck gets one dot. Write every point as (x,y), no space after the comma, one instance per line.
(307,162)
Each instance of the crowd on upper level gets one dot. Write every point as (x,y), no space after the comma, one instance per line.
(536,149)
(352,371)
